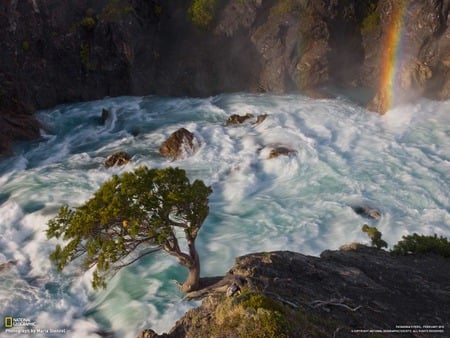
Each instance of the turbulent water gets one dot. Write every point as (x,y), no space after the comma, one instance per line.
(343,157)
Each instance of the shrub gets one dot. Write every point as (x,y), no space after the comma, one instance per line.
(371,21)
(421,244)
(202,12)
(375,236)
(252,315)
(88,22)
(85,52)
(25,45)
(283,7)
(85,56)
(115,10)
(157,10)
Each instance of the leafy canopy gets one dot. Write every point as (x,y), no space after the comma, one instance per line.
(421,244)
(130,216)
(202,12)
(375,236)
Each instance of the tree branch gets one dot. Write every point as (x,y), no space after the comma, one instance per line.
(172,248)
(137,258)
(335,302)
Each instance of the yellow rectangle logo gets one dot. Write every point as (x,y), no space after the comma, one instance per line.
(8,322)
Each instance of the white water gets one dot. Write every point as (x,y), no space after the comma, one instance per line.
(346,156)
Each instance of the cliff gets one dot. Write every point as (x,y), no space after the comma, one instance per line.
(66,51)
(356,291)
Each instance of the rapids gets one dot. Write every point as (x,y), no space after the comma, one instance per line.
(344,156)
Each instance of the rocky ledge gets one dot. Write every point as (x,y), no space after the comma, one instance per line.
(355,291)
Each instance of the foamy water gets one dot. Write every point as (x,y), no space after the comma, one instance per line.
(343,156)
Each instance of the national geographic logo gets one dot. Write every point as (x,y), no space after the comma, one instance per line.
(26,326)
(10,322)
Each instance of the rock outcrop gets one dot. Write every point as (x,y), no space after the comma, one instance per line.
(356,290)
(280,150)
(180,144)
(117,159)
(236,119)
(367,211)
(65,51)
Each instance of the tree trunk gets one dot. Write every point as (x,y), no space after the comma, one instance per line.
(191,261)
(192,282)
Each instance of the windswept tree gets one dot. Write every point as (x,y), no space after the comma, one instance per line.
(129,217)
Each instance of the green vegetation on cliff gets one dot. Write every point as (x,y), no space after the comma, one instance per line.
(254,314)
(375,236)
(85,56)
(202,12)
(116,10)
(420,244)
(411,244)
(371,21)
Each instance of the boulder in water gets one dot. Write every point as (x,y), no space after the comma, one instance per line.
(367,211)
(117,159)
(280,150)
(4,267)
(180,144)
(236,119)
(260,118)
(240,119)
(105,115)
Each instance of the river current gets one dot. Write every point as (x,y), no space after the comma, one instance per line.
(342,156)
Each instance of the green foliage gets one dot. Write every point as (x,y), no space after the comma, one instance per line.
(85,52)
(128,217)
(85,56)
(25,46)
(252,314)
(375,236)
(202,12)
(371,21)
(283,7)
(157,10)
(115,10)
(421,244)
(88,22)
(253,300)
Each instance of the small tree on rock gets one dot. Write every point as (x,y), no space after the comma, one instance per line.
(129,217)
(375,236)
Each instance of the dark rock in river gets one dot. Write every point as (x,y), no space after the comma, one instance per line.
(17,126)
(105,115)
(359,288)
(4,267)
(236,119)
(279,150)
(117,159)
(367,211)
(180,144)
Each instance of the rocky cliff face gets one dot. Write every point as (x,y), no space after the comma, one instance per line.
(64,51)
(351,292)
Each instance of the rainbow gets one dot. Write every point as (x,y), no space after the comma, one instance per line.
(390,58)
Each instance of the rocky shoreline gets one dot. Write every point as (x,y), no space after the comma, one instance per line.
(57,52)
(355,291)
